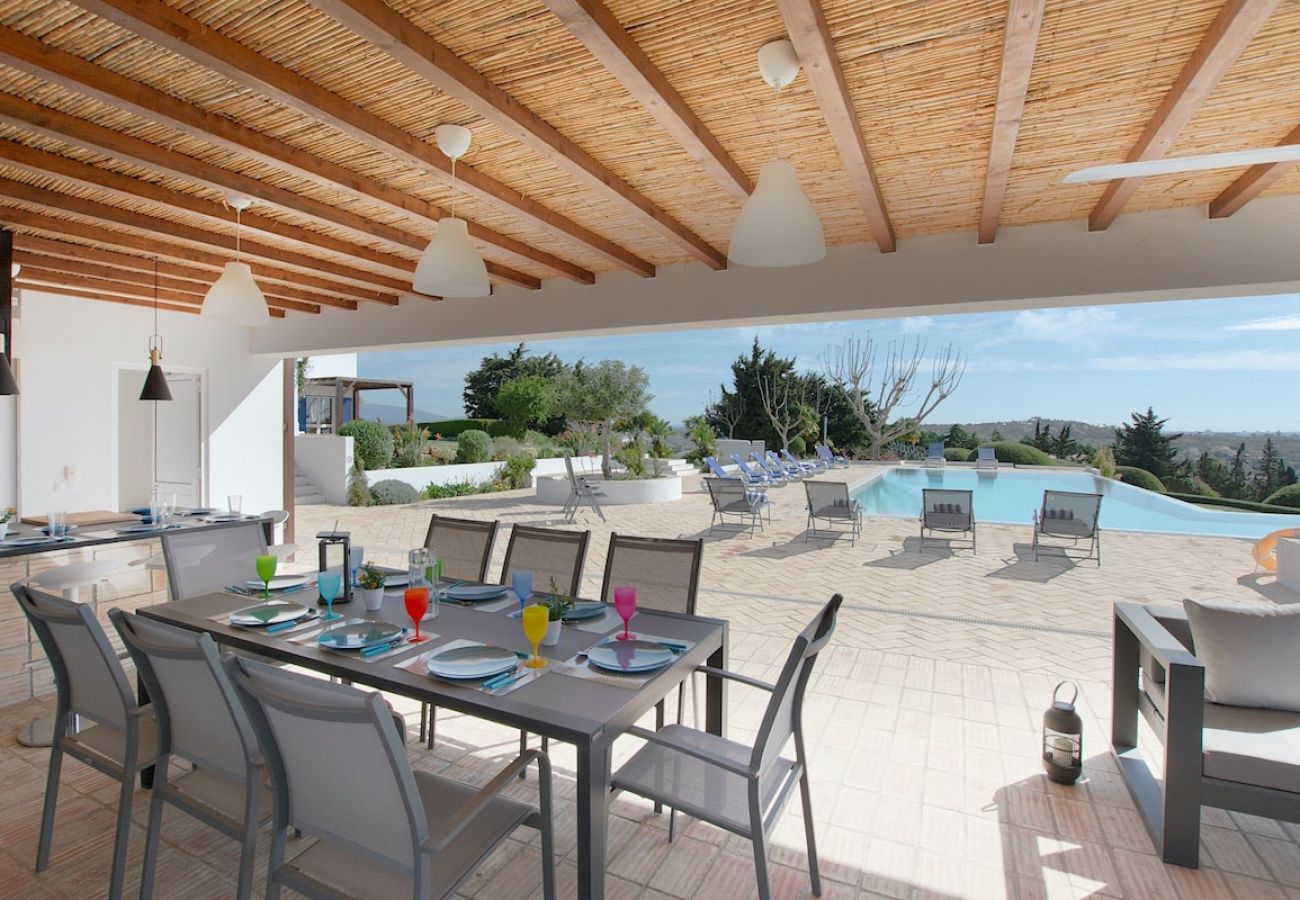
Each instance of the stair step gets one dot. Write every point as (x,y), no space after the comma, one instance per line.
(304,499)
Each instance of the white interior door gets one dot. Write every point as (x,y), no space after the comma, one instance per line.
(180,441)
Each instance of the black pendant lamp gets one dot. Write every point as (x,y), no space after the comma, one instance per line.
(155,383)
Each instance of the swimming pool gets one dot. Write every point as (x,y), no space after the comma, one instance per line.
(1012,496)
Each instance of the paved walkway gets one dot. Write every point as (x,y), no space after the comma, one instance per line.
(923,724)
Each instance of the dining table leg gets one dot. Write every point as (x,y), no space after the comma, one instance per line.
(715,691)
(593,816)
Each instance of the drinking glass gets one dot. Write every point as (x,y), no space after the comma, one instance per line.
(330,584)
(235,503)
(535,620)
(522,583)
(417,604)
(266,571)
(356,556)
(625,606)
(416,563)
(57,523)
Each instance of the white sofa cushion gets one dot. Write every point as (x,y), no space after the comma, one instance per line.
(1252,746)
(1250,653)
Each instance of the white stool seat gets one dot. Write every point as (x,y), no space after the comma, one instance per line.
(68,578)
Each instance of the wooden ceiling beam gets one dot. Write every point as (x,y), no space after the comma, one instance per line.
(1229,34)
(60,277)
(73,73)
(150,246)
(806,24)
(591,22)
(1020,38)
(84,135)
(413,47)
(1253,182)
(154,227)
(168,282)
(190,39)
(112,298)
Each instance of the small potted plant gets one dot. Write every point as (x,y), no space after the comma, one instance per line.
(557,605)
(370,584)
(5,516)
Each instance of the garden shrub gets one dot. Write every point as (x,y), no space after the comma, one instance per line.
(391,492)
(1020,454)
(451,428)
(797,446)
(500,428)
(1285,496)
(1247,505)
(455,489)
(1104,462)
(957,454)
(1140,478)
(579,441)
(632,460)
(358,489)
(1188,484)
(473,447)
(408,445)
(517,472)
(372,442)
(505,447)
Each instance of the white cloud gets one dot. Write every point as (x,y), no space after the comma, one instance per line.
(1209,360)
(1071,326)
(917,324)
(1272,323)
(1015,365)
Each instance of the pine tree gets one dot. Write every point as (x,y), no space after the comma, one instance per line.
(1237,487)
(1270,471)
(1144,444)
(1213,472)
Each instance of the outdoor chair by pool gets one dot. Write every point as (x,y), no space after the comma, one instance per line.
(1244,758)
(829,501)
(201,721)
(934,456)
(832,460)
(986,458)
(947,512)
(91,685)
(339,775)
(754,482)
(760,475)
(1067,515)
(812,466)
(736,787)
(776,463)
(580,492)
(731,498)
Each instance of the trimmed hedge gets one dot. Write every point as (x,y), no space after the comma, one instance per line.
(372,442)
(1140,478)
(1019,454)
(798,446)
(1245,505)
(391,492)
(473,446)
(451,428)
(957,454)
(1285,496)
(1189,484)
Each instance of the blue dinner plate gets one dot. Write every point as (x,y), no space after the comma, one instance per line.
(476,593)
(272,613)
(630,656)
(360,635)
(585,609)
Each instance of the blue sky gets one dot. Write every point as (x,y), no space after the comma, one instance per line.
(1231,365)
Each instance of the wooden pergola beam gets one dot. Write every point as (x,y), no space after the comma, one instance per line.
(285,283)
(113,298)
(1253,182)
(60,278)
(1020,38)
(381,25)
(806,23)
(1229,34)
(190,39)
(591,22)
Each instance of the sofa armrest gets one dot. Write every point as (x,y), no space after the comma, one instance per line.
(1157,640)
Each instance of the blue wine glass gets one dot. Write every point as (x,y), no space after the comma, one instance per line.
(522,583)
(330,583)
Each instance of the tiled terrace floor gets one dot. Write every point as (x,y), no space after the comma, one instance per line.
(922,724)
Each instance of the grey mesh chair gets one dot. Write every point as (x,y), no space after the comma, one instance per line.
(548,553)
(339,774)
(1067,515)
(947,512)
(90,684)
(208,561)
(736,787)
(463,545)
(201,721)
(580,491)
(829,501)
(730,497)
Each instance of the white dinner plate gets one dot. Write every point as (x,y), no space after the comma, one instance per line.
(476,593)
(225,517)
(280,582)
(145,529)
(401,579)
(476,661)
(585,609)
(270,613)
(33,539)
(630,656)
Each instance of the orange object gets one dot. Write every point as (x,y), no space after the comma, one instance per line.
(1265,549)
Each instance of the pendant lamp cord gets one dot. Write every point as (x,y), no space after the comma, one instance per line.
(453,187)
(155,405)
(238,227)
(778,122)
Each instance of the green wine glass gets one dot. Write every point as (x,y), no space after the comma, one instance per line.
(266,571)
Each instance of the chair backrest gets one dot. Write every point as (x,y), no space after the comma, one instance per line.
(463,545)
(740,464)
(208,560)
(1070,512)
(934,451)
(823,453)
(547,553)
(199,715)
(338,768)
(87,674)
(987,454)
(568,467)
(715,468)
(827,495)
(948,507)
(664,571)
(788,456)
(728,495)
(783,715)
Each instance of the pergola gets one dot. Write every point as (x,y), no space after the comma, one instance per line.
(338,388)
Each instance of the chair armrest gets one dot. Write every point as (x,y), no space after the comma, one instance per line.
(655,737)
(463,816)
(1154,637)
(736,676)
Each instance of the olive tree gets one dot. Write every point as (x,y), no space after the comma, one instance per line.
(601,393)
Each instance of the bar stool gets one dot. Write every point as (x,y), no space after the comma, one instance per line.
(68,580)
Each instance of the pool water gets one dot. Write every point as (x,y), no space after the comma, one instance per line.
(1012,496)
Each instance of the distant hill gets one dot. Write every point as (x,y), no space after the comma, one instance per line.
(391,414)
(1222,444)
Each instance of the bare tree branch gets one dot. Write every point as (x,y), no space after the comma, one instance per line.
(786,413)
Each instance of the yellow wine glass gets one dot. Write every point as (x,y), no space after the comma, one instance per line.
(535,620)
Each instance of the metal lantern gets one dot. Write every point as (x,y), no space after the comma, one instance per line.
(342,539)
(1063,738)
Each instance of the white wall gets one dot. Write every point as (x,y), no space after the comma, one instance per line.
(325,459)
(70,354)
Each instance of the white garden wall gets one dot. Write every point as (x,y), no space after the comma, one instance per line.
(419,477)
(326,460)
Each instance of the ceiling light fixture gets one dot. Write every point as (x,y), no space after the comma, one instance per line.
(777,226)
(235,296)
(155,383)
(451,265)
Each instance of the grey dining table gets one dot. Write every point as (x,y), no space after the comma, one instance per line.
(585,713)
(87,536)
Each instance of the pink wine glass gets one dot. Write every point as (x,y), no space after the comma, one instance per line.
(625,606)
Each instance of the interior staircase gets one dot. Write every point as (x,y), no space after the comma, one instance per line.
(304,490)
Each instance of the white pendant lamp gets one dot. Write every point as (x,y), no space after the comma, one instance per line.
(235,296)
(451,265)
(777,227)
